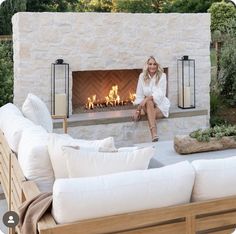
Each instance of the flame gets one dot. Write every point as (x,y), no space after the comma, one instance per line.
(91,101)
(132,97)
(112,99)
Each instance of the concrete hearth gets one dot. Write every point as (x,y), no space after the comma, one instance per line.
(125,132)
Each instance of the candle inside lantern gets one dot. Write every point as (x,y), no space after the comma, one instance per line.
(187,97)
(60,104)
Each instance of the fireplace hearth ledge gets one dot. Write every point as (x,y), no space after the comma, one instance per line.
(118,124)
(109,117)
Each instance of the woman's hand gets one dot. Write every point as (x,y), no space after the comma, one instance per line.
(143,103)
(149,98)
(137,115)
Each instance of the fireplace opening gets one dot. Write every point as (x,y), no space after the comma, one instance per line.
(104,90)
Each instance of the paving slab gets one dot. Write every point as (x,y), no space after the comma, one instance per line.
(3,210)
(165,154)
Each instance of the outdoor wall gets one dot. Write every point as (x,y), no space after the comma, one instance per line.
(96,41)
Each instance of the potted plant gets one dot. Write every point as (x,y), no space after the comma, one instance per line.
(216,138)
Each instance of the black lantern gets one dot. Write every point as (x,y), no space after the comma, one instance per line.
(186,82)
(60,88)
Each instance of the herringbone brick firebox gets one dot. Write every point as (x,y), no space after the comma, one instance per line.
(86,84)
(99,83)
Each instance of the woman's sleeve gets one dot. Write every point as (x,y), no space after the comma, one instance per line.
(159,91)
(139,91)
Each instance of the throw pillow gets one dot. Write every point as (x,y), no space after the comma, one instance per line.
(36,110)
(34,158)
(6,111)
(13,127)
(85,163)
(57,141)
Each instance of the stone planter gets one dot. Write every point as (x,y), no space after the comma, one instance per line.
(184,144)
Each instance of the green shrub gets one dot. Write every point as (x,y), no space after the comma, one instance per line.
(6,73)
(216,120)
(221,15)
(214,102)
(227,74)
(218,132)
(133,6)
(188,6)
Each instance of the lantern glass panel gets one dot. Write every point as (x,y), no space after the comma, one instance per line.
(60,89)
(186,83)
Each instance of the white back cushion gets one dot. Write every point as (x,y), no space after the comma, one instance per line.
(6,111)
(92,197)
(34,158)
(57,141)
(36,110)
(215,178)
(13,127)
(84,163)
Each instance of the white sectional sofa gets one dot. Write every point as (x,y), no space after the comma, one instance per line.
(99,189)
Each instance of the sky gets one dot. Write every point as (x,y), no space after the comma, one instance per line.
(1,1)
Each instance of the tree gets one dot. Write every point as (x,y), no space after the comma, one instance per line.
(133,6)
(100,5)
(7,9)
(221,15)
(6,73)
(188,6)
(51,5)
(227,75)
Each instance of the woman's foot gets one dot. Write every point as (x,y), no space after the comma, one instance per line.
(155,139)
(154,134)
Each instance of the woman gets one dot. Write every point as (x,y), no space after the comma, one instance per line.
(151,95)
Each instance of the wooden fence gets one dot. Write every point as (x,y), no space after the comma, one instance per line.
(5,38)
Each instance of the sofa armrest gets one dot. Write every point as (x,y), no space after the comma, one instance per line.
(64,117)
(31,190)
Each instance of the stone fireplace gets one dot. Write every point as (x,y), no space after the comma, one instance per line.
(108,49)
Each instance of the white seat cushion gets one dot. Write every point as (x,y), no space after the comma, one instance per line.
(34,158)
(215,178)
(13,127)
(85,163)
(36,110)
(57,141)
(77,199)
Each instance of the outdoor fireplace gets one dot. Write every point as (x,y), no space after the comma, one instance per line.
(104,90)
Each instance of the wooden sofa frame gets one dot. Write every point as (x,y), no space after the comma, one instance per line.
(213,216)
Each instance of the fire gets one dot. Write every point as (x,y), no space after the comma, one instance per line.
(91,101)
(112,99)
(132,97)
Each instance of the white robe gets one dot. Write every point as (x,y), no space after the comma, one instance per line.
(157,91)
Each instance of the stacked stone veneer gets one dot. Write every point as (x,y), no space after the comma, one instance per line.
(129,133)
(97,41)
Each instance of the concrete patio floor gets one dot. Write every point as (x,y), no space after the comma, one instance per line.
(165,155)
(3,210)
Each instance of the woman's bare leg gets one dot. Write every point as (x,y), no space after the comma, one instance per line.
(151,116)
(153,113)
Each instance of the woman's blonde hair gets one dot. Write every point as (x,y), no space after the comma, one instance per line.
(158,74)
